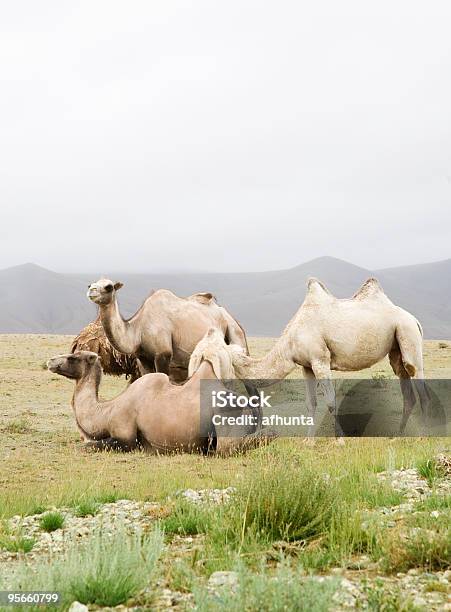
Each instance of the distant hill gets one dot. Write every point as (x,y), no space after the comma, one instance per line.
(36,300)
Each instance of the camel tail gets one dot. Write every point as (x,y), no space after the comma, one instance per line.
(420,328)
(235,333)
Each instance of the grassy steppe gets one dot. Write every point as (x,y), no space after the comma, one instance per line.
(43,464)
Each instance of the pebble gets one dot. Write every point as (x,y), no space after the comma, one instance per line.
(202,496)
(76,606)
(223,579)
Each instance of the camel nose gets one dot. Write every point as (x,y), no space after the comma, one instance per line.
(92,291)
(53,365)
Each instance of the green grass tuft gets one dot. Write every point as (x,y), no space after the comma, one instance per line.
(110,497)
(188,519)
(51,521)
(18,426)
(15,542)
(86,508)
(427,468)
(281,504)
(36,509)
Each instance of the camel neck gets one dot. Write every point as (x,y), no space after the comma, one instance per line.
(119,332)
(274,365)
(91,415)
(203,372)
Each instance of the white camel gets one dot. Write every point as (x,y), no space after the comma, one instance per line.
(328,334)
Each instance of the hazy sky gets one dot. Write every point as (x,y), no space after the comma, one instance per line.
(238,135)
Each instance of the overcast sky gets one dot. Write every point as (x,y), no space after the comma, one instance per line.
(237,135)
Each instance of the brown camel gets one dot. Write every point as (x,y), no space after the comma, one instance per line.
(329,334)
(166,328)
(151,413)
(92,338)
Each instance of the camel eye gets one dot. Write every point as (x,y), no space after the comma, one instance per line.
(109,288)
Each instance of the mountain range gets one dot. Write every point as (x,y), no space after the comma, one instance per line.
(36,300)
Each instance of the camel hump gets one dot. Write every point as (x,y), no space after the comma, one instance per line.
(370,287)
(313,284)
(202,298)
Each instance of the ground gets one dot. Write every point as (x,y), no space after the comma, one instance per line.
(395,557)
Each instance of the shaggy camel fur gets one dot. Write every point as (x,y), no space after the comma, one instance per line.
(166,328)
(328,334)
(92,338)
(151,413)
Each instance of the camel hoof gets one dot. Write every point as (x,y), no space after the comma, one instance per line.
(339,442)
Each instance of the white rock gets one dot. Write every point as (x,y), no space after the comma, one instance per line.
(222,579)
(419,602)
(76,606)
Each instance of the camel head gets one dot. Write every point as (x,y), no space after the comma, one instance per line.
(212,348)
(102,292)
(74,365)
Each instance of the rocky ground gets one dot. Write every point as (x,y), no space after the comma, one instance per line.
(359,584)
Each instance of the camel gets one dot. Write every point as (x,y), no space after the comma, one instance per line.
(92,338)
(328,333)
(151,413)
(165,329)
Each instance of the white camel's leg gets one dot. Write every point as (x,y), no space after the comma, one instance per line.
(311,401)
(411,346)
(321,370)
(409,399)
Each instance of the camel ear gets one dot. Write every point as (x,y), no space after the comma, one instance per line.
(92,359)
(117,286)
(194,363)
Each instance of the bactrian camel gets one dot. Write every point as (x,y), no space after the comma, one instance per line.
(166,328)
(92,338)
(152,413)
(328,334)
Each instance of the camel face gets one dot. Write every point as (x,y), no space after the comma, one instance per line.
(102,292)
(73,365)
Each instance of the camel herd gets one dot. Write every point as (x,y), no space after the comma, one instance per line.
(171,344)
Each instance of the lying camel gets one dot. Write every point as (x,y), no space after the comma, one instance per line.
(151,413)
(328,334)
(166,328)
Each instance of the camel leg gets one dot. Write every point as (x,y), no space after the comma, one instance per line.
(145,366)
(162,361)
(411,347)
(321,370)
(258,411)
(408,394)
(311,400)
